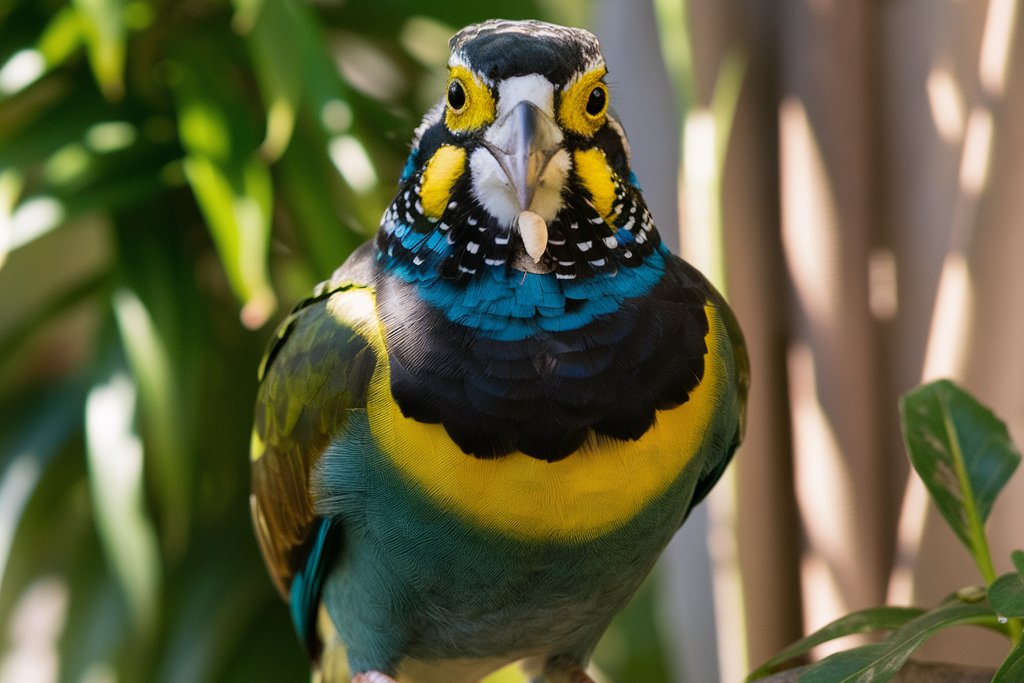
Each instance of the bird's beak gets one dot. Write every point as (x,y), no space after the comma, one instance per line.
(524,144)
(530,140)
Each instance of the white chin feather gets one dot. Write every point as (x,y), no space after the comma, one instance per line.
(492,188)
(497,194)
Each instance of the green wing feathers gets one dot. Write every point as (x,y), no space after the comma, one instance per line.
(316,370)
(741,361)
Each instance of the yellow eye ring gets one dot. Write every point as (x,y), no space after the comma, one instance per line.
(584,105)
(469,103)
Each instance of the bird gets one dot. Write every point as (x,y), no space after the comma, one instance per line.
(473,441)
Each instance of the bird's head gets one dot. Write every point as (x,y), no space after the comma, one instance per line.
(520,166)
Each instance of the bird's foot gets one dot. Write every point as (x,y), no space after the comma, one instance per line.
(372,677)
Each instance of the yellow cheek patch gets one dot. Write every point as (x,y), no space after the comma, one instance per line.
(443,169)
(593,169)
(479,107)
(593,491)
(572,112)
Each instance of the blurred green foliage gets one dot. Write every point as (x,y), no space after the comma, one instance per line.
(173,175)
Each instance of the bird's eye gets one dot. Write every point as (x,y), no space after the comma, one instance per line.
(584,103)
(469,103)
(596,101)
(456,95)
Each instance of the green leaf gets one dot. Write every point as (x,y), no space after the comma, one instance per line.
(232,185)
(246,14)
(879,662)
(1017,556)
(240,224)
(155,378)
(276,47)
(63,35)
(1006,595)
(305,174)
(864,621)
(115,482)
(106,38)
(964,455)
(326,95)
(1012,668)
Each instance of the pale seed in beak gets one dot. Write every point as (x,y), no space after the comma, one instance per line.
(534,233)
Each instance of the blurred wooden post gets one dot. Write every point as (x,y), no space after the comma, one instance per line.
(769,543)
(921,62)
(828,158)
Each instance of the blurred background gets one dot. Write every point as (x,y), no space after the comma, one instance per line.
(175,174)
